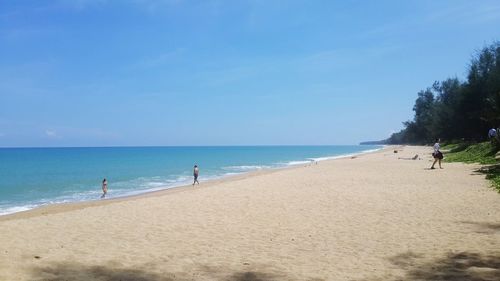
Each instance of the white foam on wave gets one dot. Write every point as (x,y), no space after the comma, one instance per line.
(231,174)
(243,168)
(143,185)
(67,197)
(115,190)
(373,150)
(293,163)
(16,209)
(345,155)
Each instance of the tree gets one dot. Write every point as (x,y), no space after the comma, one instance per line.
(448,121)
(452,109)
(481,104)
(424,114)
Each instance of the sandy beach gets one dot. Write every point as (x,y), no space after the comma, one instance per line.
(370,217)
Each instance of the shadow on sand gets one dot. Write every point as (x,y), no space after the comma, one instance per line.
(492,172)
(73,271)
(484,227)
(79,272)
(454,266)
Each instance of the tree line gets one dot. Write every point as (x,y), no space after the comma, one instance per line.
(456,110)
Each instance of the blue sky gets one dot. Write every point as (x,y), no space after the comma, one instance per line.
(153,72)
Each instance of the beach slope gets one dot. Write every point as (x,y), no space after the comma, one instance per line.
(371,217)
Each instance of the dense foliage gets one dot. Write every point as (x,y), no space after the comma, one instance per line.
(458,110)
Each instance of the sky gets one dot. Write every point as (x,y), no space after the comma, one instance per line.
(175,72)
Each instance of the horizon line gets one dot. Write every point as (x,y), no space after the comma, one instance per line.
(152,146)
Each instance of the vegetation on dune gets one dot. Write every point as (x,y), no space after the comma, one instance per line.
(482,153)
(493,174)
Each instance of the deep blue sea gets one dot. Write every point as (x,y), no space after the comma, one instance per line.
(32,177)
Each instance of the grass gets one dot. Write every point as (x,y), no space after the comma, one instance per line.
(493,174)
(482,153)
(452,146)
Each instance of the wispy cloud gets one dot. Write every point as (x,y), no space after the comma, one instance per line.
(470,12)
(156,61)
(153,6)
(82,4)
(319,61)
(86,133)
(51,134)
(26,32)
(157,2)
(343,58)
(79,134)
(233,73)
(460,13)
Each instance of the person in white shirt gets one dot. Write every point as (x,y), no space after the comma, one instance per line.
(492,133)
(438,156)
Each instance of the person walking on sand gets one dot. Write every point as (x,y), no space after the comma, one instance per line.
(438,156)
(196,172)
(104,188)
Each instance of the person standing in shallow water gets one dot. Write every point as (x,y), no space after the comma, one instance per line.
(104,188)
(196,172)
(438,156)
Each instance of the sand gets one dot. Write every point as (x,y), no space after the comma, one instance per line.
(372,217)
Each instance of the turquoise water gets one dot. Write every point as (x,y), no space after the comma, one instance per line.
(32,177)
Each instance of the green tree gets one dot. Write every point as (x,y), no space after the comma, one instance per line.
(481,103)
(448,121)
(424,114)
(452,109)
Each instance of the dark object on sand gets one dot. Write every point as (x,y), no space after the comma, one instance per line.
(395,151)
(412,158)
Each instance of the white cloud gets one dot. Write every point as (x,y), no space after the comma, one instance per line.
(80,133)
(51,134)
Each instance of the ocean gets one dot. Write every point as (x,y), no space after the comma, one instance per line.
(33,177)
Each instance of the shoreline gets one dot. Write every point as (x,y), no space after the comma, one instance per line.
(69,206)
(377,216)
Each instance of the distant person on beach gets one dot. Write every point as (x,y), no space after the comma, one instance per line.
(493,136)
(196,172)
(492,133)
(438,156)
(104,188)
